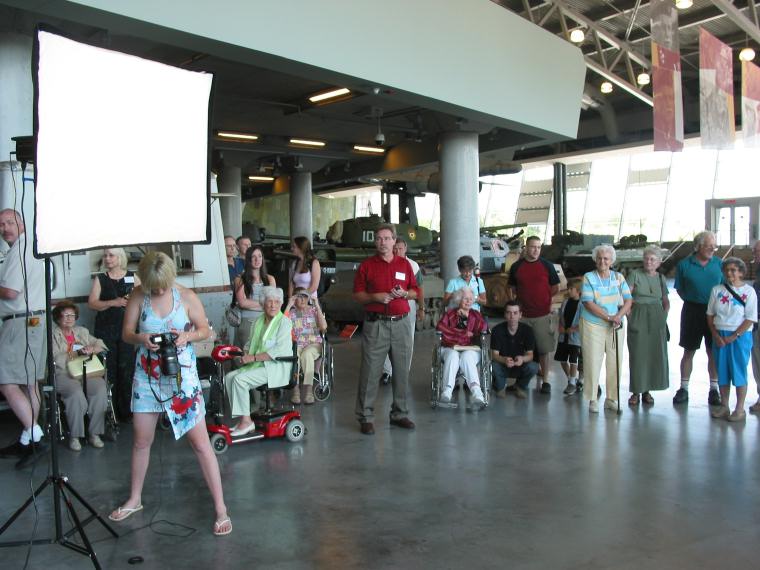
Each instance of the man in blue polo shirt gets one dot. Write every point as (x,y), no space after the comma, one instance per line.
(696,275)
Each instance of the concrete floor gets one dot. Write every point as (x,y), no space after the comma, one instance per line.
(525,484)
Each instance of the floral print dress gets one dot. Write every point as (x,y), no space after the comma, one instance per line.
(155,392)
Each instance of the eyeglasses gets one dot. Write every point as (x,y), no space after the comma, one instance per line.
(68,316)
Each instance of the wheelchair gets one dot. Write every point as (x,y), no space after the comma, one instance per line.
(324,372)
(271,422)
(111,432)
(436,371)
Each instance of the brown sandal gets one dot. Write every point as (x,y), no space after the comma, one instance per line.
(633,400)
(647,399)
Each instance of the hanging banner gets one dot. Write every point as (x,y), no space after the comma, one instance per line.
(750,104)
(716,92)
(666,77)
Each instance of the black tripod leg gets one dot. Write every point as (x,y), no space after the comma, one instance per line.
(87,506)
(87,549)
(25,506)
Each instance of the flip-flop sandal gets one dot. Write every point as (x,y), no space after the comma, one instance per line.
(123,513)
(633,400)
(218,525)
(647,398)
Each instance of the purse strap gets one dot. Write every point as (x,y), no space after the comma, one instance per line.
(735,295)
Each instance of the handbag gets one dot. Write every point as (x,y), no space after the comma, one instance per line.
(233,315)
(91,363)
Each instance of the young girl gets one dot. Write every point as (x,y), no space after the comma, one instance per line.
(731,312)
(569,342)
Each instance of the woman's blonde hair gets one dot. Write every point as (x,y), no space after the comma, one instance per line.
(118,252)
(156,271)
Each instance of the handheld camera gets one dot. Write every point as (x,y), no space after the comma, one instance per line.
(167,352)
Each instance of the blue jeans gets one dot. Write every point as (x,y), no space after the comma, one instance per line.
(523,374)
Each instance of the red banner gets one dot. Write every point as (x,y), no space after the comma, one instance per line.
(750,104)
(716,92)
(666,77)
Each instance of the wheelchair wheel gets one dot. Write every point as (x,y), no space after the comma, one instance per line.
(295,431)
(435,375)
(321,392)
(164,423)
(112,431)
(219,443)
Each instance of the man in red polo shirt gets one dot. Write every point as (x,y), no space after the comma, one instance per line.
(534,281)
(383,284)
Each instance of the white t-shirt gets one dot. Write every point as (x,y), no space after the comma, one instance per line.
(12,277)
(728,313)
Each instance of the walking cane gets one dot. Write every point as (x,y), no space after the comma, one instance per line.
(617,364)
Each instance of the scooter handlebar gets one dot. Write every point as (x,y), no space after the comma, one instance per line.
(226,352)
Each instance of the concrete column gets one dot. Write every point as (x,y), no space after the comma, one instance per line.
(16,108)
(300,205)
(459,170)
(229,182)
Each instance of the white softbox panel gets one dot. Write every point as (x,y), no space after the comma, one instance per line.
(122,149)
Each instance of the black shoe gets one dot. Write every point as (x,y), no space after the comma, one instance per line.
(13,450)
(682,396)
(546,388)
(713,398)
(30,454)
(385,378)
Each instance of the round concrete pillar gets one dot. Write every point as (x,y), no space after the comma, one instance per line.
(300,205)
(459,170)
(231,208)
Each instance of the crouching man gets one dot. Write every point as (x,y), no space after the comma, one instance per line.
(512,348)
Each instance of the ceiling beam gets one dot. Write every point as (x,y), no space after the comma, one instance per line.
(737,17)
(619,81)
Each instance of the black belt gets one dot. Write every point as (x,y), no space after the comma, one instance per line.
(23,315)
(372,317)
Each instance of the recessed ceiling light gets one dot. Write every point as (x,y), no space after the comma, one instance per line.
(577,36)
(373,149)
(747,54)
(246,137)
(261,178)
(643,79)
(606,87)
(306,142)
(329,95)
(684,4)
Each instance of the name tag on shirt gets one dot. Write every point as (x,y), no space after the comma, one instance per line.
(129,279)
(400,276)
(76,346)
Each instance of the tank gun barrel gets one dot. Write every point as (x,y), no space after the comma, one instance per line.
(503,227)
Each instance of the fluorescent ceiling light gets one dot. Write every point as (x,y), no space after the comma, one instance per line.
(237,136)
(329,94)
(261,178)
(373,149)
(684,4)
(577,36)
(747,54)
(306,142)
(643,79)
(606,87)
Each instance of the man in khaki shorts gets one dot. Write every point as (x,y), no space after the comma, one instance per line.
(533,282)
(22,335)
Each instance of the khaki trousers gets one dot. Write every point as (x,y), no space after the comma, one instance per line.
(306,358)
(597,346)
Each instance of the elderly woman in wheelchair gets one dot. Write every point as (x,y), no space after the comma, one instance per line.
(309,324)
(461,350)
(270,339)
(73,345)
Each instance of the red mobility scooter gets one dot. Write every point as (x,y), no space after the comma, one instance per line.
(270,422)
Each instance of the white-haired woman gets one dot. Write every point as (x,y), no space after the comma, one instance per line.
(270,338)
(731,312)
(647,329)
(108,296)
(605,299)
(460,328)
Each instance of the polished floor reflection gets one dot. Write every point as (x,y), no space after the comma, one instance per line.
(537,483)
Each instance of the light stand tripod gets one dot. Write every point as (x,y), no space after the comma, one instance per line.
(62,488)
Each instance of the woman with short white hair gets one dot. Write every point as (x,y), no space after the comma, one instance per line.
(647,329)
(270,338)
(605,300)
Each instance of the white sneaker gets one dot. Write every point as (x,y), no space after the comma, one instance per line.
(593,407)
(610,404)
(96,442)
(446,397)
(74,444)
